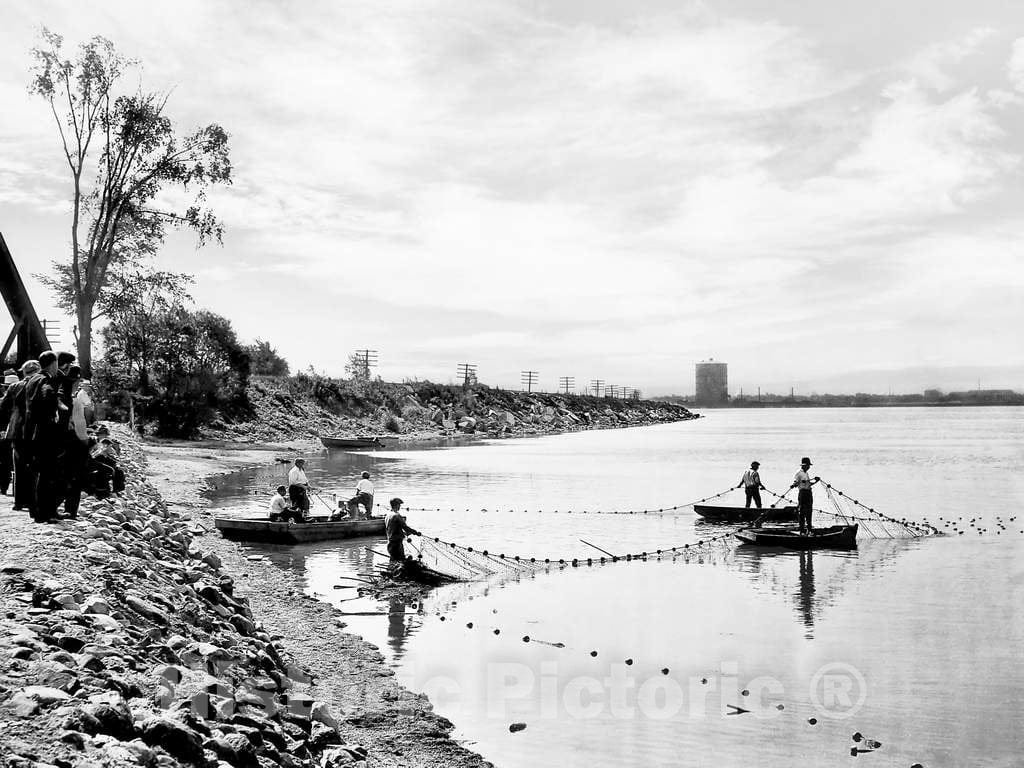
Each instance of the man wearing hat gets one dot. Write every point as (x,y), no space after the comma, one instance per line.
(43,432)
(6,448)
(14,397)
(298,487)
(397,529)
(751,483)
(804,499)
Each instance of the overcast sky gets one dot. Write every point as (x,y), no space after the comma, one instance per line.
(826,195)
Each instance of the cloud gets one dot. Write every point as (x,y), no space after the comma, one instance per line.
(482,178)
(1015,66)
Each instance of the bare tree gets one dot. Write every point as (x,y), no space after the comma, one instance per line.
(122,151)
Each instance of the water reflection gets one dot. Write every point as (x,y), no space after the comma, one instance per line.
(792,574)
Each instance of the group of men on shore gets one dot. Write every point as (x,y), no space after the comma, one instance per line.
(802,481)
(46,447)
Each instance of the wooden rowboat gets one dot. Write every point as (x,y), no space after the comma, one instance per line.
(743,514)
(261,529)
(833,537)
(361,441)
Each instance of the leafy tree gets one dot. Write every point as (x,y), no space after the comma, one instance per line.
(122,152)
(135,296)
(265,360)
(198,368)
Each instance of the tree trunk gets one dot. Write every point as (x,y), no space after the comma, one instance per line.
(85,336)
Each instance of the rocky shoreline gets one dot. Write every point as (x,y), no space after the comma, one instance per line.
(127,639)
(422,410)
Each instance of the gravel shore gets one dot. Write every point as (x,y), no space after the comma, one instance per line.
(126,640)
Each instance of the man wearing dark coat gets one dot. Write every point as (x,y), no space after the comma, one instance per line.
(43,432)
(24,484)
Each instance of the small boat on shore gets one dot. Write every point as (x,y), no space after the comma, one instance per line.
(261,529)
(833,537)
(744,514)
(361,441)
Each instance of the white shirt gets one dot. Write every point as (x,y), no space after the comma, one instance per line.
(802,480)
(78,420)
(751,478)
(364,486)
(297,477)
(278,504)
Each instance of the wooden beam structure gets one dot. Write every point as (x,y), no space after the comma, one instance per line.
(27,330)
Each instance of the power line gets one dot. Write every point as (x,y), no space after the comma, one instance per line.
(467,372)
(596,384)
(529,378)
(565,383)
(365,360)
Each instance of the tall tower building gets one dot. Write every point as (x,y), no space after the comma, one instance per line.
(712,383)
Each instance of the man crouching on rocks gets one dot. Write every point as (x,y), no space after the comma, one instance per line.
(397,529)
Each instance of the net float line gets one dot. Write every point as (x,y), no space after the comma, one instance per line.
(659,511)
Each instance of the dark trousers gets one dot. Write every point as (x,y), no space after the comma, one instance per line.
(6,464)
(49,479)
(396,550)
(753,493)
(24,476)
(805,505)
(367,501)
(299,498)
(76,459)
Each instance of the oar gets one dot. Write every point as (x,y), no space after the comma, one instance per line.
(599,549)
(317,494)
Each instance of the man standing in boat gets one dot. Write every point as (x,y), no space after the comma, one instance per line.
(364,493)
(397,529)
(751,483)
(298,487)
(805,499)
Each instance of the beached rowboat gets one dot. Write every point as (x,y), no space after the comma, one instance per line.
(743,514)
(362,441)
(833,537)
(261,529)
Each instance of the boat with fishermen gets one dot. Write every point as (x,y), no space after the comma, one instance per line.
(317,529)
(359,441)
(789,537)
(723,514)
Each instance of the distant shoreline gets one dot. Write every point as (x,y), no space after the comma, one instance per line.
(757,406)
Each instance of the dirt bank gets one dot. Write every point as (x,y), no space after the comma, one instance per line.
(125,640)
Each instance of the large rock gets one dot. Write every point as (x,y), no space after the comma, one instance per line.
(177,739)
(147,609)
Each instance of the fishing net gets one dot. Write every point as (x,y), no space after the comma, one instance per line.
(672,510)
(461,562)
(871,523)
(464,563)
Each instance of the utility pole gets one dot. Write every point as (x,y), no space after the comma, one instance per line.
(611,390)
(565,383)
(51,330)
(467,372)
(366,359)
(596,384)
(529,378)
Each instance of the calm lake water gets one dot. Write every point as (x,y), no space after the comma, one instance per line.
(913,643)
